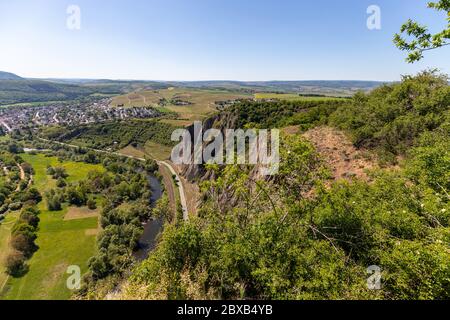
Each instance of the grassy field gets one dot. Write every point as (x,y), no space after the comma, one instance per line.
(177,122)
(152,150)
(132,151)
(290,97)
(157,151)
(201,101)
(5,235)
(61,242)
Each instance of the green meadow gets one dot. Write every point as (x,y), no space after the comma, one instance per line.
(5,235)
(61,243)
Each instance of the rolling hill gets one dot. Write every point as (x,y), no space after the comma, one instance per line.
(19,90)
(27,91)
(9,76)
(14,89)
(323,87)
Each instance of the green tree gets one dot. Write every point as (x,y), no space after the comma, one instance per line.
(420,39)
(33,195)
(91,204)
(24,244)
(15,264)
(61,183)
(54,203)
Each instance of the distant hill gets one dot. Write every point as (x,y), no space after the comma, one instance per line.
(14,89)
(27,91)
(20,90)
(326,87)
(9,76)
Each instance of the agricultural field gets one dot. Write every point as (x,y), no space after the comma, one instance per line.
(291,97)
(189,104)
(151,149)
(66,237)
(157,151)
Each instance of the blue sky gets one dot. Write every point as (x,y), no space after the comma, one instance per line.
(211,39)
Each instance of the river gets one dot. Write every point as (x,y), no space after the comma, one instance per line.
(153,227)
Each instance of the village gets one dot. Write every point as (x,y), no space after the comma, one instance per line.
(69,114)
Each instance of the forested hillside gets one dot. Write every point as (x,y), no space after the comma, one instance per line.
(8,76)
(21,91)
(301,235)
(118,134)
(15,90)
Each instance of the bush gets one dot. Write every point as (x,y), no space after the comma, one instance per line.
(15,206)
(32,194)
(50,171)
(61,183)
(392,117)
(54,203)
(24,244)
(417,271)
(30,217)
(91,204)
(76,196)
(15,264)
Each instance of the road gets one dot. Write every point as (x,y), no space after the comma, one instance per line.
(180,187)
(3,123)
(164,163)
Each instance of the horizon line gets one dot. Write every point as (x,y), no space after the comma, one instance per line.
(203,80)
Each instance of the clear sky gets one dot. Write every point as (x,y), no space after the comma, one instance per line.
(211,39)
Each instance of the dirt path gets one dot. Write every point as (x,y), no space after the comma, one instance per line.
(3,123)
(22,172)
(22,176)
(344,159)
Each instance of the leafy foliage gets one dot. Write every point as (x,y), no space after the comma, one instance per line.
(115,134)
(270,114)
(423,40)
(300,236)
(392,117)
(22,241)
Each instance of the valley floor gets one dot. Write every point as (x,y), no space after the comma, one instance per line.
(63,241)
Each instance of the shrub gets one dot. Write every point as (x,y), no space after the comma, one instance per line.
(61,183)
(15,264)
(15,206)
(24,244)
(54,203)
(32,194)
(30,217)
(91,204)
(392,117)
